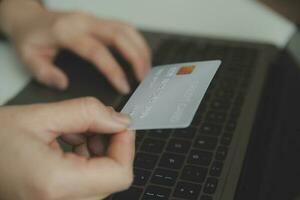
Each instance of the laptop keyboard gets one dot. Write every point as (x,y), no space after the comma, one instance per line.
(188,163)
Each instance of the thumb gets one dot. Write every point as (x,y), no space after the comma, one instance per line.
(76,116)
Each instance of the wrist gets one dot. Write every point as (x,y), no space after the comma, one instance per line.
(15,14)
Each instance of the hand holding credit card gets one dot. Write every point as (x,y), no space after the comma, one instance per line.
(170,95)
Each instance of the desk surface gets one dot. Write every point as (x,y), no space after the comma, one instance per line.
(232,19)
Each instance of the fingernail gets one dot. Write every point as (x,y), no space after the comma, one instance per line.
(141,75)
(82,150)
(122,118)
(123,85)
(61,85)
(147,69)
(110,108)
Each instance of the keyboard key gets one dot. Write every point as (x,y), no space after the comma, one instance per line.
(199,113)
(152,145)
(160,133)
(193,173)
(216,168)
(200,157)
(229,84)
(226,139)
(146,161)
(210,129)
(171,161)
(234,114)
(187,133)
(210,185)
(215,117)
(197,121)
(141,132)
(187,190)
(137,144)
(141,177)
(156,193)
(139,138)
(230,126)
(164,177)
(230,74)
(131,193)
(203,106)
(223,94)
(221,153)
(220,104)
(206,197)
(178,146)
(206,98)
(246,82)
(239,99)
(206,142)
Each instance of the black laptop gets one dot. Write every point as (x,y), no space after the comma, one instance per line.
(244,141)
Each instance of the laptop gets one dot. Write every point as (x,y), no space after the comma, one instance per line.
(243,141)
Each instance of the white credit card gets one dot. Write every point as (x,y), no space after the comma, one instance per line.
(169,95)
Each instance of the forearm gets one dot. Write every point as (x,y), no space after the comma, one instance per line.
(16,13)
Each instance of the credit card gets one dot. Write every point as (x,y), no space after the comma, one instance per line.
(169,95)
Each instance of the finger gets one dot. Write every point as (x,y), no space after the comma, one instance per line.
(141,44)
(122,148)
(110,109)
(46,73)
(132,54)
(129,42)
(92,50)
(73,117)
(113,173)
(97,145)
(82,150)
(119,39)
(74,139)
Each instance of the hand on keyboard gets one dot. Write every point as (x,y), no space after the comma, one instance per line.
(38,35)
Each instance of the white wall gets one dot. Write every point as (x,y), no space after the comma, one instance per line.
(242,19)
